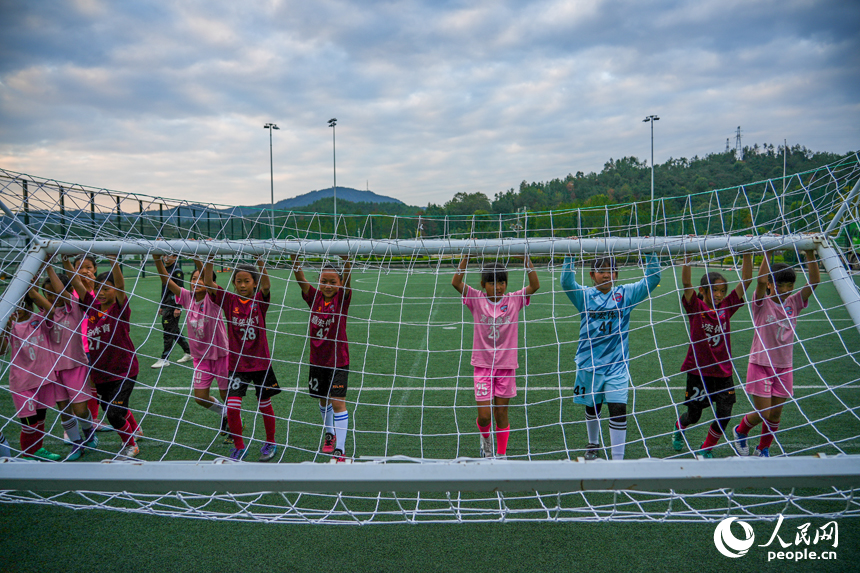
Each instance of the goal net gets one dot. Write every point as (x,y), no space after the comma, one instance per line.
(412,435)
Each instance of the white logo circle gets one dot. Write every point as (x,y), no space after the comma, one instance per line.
(728,544)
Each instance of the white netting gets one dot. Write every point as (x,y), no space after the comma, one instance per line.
(410,386)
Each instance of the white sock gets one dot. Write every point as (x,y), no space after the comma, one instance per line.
(341,425)
(71,428)
(217,407)
(86,423)
(617,437)
(328,418)
(592,425)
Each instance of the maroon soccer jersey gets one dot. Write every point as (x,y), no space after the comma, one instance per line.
(246,330)
(327,327)
(710,351)
(112,352)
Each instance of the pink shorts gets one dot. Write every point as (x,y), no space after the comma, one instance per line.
(28,401)
(490,383)
(72,385)
(766,381)
(208,371)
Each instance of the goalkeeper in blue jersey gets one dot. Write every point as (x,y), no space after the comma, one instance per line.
(603,356)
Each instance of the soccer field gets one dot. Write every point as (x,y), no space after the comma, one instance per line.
(410,385)
(411,394)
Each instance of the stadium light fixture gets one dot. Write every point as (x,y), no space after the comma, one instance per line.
(331,123)
(651,119)
(270,127)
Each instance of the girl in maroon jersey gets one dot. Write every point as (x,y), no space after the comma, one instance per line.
(250,363)
(329,357)
(114,366)
(708,364)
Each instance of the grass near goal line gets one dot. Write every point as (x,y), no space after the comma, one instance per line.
(406,404)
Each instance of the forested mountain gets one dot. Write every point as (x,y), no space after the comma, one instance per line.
(629,179)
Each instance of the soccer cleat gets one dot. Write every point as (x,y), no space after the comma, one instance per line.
(328,445)
(707,454)
(740,444)
(591,452)
(44,455)
(185,358)
(90,439)
(238,454)
(102,426)
(160,363)
(337,456)
(78,449)
(486,448)
(762,453)
(129,452)
(678,440)
(267,452)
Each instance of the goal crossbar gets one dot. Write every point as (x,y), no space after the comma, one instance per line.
(672,245)
(398,475)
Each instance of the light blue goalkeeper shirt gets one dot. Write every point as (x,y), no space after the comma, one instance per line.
(605,318)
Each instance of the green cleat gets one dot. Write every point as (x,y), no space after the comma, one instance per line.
(44,455)
(678,440)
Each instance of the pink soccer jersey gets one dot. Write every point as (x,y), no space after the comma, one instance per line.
(246,330)
(86,342)
(775,323)
(111,349)
(327,328)
(207,336)
(29,363)
(496,339)
(710,350)
(64,339)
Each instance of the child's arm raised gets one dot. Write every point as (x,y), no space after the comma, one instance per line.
(165,279)
(40,300)
(347,272)
(265,283)
(763,276)
(687,279)
(534,283)
(746,275)
(74,277)
(300,276)
(813,276)
(118,280)
(457,281)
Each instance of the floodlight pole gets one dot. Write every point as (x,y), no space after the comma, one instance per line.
(270,127)
(332,123)
(651,119)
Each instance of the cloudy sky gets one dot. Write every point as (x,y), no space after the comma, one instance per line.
(432,98)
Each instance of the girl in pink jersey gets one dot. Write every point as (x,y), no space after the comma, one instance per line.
(207,338)
(86,270)
(495,342)
(769,375)
(329,357)
(709,358)
(114,362)
(249,360)
(69,361)
(30,376)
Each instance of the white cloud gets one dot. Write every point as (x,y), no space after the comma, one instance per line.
(432,98)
